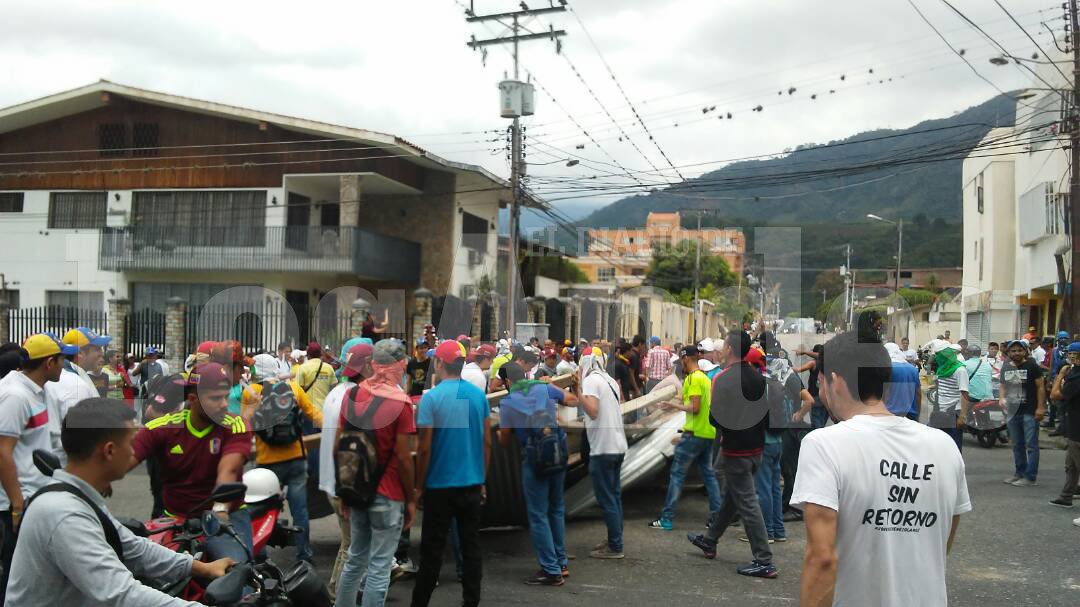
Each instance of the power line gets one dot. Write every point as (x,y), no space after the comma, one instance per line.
(626,97)
(1030,37)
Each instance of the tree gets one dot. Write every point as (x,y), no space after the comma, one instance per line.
(672,268)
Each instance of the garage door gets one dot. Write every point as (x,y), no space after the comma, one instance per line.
(977,329)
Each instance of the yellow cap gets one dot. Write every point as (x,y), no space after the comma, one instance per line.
(41,346)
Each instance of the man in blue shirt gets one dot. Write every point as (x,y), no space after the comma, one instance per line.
(903,395)
(520,412)
(455,446)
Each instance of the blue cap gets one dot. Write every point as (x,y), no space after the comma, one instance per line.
(1074,346)
(65,349)
(654,340)
(1063,335)
(152,350)
(431,352)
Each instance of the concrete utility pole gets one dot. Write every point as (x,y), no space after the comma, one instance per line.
(517,162)
(697,278)
(1072,307)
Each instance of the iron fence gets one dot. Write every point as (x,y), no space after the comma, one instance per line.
(263,326)
(145,329)
(24,322)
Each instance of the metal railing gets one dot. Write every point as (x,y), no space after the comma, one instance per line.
(338,250)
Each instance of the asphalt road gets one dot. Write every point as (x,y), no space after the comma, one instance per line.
(1013,549)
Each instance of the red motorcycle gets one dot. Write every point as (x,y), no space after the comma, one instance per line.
(256,582)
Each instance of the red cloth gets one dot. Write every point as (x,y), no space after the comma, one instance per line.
(756,358)
(189,463)
(393,417)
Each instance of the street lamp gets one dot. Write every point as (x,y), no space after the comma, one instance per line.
(899,247)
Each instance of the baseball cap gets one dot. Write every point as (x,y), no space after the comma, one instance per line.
(152,350)
(449,351)
(654,340)
(548,353)
(706,345)
(388,352)
(266,367)
(1063,335)
(210,375)
(705,365)
(82,337)
(487,350)
(1018,342)
(65,349)
(462,337)
(41,345)
(206,347)
(356,359)
(314,349)
(689,351)
(1074,346)
(166,392)
(297,354)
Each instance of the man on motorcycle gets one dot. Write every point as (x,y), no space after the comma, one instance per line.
(198,448)
(64,554)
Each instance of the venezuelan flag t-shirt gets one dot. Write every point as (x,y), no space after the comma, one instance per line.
(25,417)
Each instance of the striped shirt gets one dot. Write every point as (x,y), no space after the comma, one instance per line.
(949,389)
(25,417)
(657,363)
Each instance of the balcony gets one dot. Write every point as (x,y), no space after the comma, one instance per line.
(242,248)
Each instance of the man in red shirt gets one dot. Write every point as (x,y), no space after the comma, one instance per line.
(199,448)
(375,529)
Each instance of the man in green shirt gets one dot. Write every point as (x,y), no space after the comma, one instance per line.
(695,446)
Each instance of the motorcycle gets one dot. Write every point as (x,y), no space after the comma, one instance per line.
(988,423)
(260,581)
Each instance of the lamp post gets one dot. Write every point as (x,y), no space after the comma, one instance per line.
(899,247)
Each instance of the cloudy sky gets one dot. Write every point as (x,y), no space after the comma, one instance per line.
(403,67)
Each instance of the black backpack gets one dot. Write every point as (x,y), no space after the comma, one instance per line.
(358,467)
(112,536)
(545,449)
(277,420)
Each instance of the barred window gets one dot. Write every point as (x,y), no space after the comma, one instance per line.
(112,139)
(223,218)
(77,210)
(144,139)
(11,202)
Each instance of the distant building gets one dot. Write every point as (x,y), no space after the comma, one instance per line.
(1015,224)
(621,256)
(919,278)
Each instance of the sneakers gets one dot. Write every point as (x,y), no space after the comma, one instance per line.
(794,515)
(662,524)
(705,544)
(1025,483)
(758,569)
(1076,521)
(1061,503)
(1011,480)
(780,539)
(542,578)
(565,571)
(606,553)
(747,539)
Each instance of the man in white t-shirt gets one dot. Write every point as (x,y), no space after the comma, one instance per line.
(882,494)
(607,447)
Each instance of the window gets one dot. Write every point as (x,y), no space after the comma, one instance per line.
(144,139)
(11,296)
(222,218)
(11,202)
(474,232)
(83,300)
(979,192)
(77,210)
(605,274)
(112,139)
(906,274)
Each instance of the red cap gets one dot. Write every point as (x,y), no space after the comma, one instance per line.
(462,337)
(314,349)
(356,358)
(210,375)
(756,358)
(487,350)
(206,347)
(449,351)
(548,353)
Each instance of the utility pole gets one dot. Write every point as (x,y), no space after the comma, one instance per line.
(517,163)
(1072,307)
(848,303)
(697,278)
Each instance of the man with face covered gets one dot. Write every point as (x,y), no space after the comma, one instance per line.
(200,447)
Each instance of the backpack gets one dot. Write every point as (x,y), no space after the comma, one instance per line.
(546,449)
(277,420)
(357,463)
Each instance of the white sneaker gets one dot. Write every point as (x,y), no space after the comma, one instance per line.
(1076,521)
(1025,483)
(1011,480)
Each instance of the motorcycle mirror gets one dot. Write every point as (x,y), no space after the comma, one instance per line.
(228,492)
(228,588)
(211,525)
(46,461)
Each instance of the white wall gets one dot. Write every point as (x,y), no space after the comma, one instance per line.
(484,205)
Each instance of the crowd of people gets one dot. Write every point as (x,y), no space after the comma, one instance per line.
(879,488)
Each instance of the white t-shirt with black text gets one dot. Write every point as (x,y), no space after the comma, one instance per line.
(895,485)
(606,434)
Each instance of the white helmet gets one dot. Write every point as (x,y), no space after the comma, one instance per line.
(262,484)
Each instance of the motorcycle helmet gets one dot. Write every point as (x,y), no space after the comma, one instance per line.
(262,484)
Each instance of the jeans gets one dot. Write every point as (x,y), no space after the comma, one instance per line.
(293,475)
(606,473)
(1024,432)
(375,532)
(819,416)
(691,450)
(770,496)
(462,503)
(455,547)
(224,545)
(1072,470)
(789,463)
(547,521)
(343,547)
(741,497)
